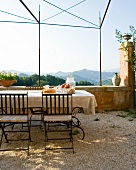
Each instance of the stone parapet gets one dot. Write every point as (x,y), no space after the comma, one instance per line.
(107,97)
(12,88)
(111,97)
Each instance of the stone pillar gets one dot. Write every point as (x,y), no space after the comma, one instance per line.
(126,73)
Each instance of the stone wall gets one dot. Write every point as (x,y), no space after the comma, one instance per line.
(111,97)
(107,97)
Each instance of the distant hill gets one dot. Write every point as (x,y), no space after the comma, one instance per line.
(19,73)
(86,75)
(23,75)
(79,75)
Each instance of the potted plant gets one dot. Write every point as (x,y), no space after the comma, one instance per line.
(7,78)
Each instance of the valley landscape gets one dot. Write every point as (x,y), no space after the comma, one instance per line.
(79,75)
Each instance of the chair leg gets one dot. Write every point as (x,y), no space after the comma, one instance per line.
(29,134)
(71,136)
(3,134)
(29,125)
(28,148)
(45,131)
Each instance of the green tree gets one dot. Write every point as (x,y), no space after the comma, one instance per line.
(84,83)
(45,80)
(54,81)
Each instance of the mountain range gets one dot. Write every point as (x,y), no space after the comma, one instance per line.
(79,75)
(86,75)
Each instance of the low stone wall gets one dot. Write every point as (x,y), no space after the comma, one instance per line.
(107,97)
(111,97)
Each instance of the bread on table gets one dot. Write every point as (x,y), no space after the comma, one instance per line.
(49,90)
(71,91)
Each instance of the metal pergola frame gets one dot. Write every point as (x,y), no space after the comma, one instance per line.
(39,22)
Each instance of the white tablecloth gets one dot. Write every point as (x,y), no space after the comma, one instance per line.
(81,98)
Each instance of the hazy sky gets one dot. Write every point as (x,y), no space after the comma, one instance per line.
(62,48)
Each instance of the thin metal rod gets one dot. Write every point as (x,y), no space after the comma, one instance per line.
(70,13)
(16,15)
(63,25)
(29,10)
(133,76)
(66,25)
(63,11)
(39,33)
(100,51)
(105,13)
(39,49)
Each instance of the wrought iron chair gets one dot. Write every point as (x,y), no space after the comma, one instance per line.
(13,112)
(37,112)
(77,129)
(58,114)
(36,119)
(33,87)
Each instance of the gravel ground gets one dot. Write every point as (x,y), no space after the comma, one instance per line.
(109,144)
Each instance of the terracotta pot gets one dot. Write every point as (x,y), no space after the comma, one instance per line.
(7,83)
(127,37)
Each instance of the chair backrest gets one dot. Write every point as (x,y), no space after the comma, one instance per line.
(13,103)
(33,87)
(57,103)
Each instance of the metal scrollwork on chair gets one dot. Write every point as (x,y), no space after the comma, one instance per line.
(76,122)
